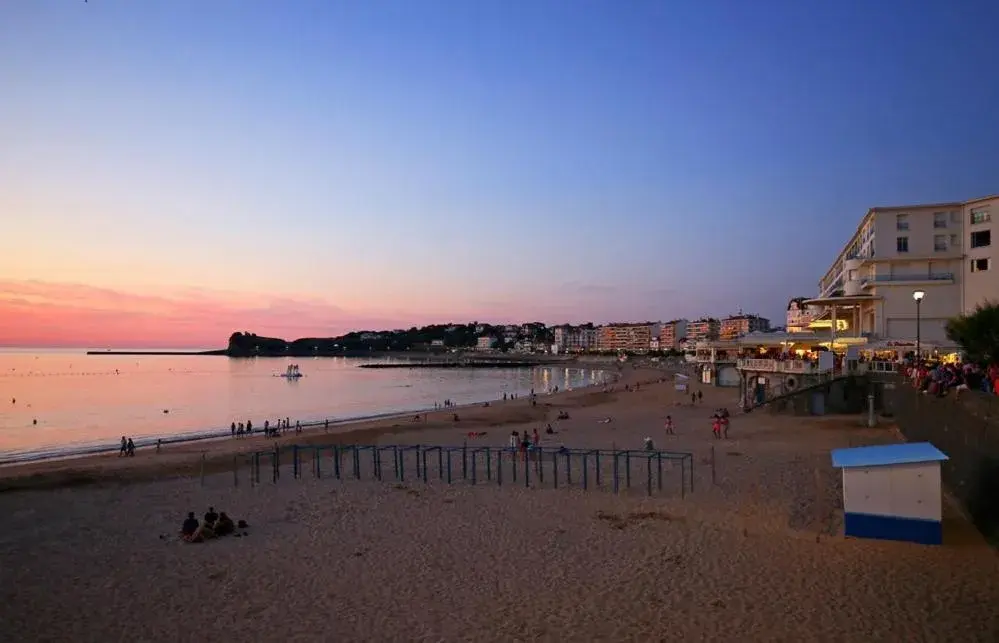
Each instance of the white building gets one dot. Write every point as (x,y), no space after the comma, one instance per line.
(941,249)
(485,343)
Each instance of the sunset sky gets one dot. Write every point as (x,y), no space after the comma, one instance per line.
(174,170)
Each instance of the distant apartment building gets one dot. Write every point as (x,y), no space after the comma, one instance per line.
(671,334)
(941,249)
(704,328)
(628,337)
(571,339)
(739,325)
(485,343)
(799,315)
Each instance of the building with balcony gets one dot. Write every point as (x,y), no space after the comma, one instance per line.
(575,339)
(739,325)
(799,315)
(671,333)
(942,249)
(704,328)
(628,337)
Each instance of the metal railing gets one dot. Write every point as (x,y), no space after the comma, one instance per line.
(537,467)
(940,276)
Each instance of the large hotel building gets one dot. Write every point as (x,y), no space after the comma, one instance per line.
(941,249)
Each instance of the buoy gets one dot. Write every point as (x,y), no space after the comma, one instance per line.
(34,421)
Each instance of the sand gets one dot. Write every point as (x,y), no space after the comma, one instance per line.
(756,556)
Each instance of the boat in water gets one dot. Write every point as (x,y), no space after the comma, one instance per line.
(292,372)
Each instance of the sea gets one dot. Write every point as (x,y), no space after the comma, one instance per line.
(59,403)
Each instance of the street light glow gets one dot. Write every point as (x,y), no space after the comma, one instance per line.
(918,295)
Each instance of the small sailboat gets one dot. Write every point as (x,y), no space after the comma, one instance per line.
(292,372)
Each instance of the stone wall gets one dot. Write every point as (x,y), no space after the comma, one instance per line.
(966,428)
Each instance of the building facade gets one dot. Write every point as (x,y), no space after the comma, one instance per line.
(672,333)
(628,337)
(941,249)
(572,339)
(704,328)
(739,325)
(799,315)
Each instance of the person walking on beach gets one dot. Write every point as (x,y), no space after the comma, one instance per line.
(716,426)
(693,398)
(249,427)
(232,429)
(724,423)
(298,426)
(700,395)
(669,425)
(124,447)
(131,448)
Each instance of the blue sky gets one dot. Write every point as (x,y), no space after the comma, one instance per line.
(494,160)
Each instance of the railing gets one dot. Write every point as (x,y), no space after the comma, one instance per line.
(940,276)
(536,467)
(796,366)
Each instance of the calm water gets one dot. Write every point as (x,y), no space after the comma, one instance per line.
(80,401)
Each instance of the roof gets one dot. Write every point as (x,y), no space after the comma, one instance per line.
(887,454)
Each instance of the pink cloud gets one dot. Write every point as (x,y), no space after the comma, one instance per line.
(36,313)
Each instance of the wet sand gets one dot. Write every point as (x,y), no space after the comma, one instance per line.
(756,556)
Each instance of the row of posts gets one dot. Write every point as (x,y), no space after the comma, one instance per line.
(470,458)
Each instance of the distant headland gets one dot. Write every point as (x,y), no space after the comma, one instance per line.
(434,339)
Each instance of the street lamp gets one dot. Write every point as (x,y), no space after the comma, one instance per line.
(918,296)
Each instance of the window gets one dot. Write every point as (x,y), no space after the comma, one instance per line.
(955,216)
(939,219)
(902,243)
(901,221)
(955,241)
(981,239)
(979,265)
(939,242)
(980,215)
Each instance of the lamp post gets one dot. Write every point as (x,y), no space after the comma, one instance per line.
(918,296)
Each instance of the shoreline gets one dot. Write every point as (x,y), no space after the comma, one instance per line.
(218,453)
(77,450)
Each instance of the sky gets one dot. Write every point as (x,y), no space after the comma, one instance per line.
(175,170)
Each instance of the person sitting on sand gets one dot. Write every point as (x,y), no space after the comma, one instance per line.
(211,517)
(190,526)
(648,444)
(456,418)
(224,526)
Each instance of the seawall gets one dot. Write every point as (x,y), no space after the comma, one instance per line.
(966,428)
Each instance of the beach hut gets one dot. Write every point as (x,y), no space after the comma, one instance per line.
(892,492)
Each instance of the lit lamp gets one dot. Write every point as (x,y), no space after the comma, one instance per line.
(918,296)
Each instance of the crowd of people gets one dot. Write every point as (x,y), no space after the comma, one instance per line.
(940,379)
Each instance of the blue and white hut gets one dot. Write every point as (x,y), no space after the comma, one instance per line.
(892,492)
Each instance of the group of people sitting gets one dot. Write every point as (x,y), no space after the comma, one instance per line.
(939,379)
(213,526)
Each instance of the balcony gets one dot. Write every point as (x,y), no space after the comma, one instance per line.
(940,277)
(795,366)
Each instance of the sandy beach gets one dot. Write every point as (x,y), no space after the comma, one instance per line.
(89,551)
